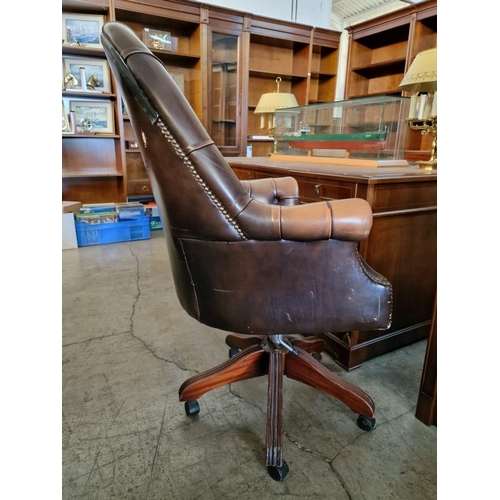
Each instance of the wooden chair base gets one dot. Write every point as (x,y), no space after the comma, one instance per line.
(259,356)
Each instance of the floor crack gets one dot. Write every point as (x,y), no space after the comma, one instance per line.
(156,450)
(137,297)
(305,449)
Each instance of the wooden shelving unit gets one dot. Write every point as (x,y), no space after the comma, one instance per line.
(382,49)
(305,58)
(324,66)
(93,168)
(224,60)
(184,62)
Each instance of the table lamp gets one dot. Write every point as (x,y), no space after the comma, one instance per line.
(421,81)
(269,103)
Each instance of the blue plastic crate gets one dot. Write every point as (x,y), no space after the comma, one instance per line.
(114,232)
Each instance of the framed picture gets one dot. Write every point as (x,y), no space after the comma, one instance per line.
(65,122)
(156,39)
(93,117)
(81,29)
(96,73)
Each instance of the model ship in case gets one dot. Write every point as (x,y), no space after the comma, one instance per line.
(363,141)
(368,128)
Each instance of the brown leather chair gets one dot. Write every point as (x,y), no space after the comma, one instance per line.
(247,257)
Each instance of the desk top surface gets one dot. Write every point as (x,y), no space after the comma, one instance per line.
(411,173)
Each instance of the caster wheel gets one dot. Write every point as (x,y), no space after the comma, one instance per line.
(365,423)
(233,351)
(317,356)
(192,408)
(278,473)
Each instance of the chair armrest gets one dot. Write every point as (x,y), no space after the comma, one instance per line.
(350,219)
(278,191)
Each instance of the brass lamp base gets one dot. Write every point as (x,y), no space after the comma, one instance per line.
(428,165)
(427,126)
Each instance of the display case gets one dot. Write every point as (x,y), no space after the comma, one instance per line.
(368,128)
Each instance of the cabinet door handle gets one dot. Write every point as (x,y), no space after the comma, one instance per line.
(316,189)
(145,188)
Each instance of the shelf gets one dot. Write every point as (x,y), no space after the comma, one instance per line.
(388,37)
(323,75)
(78,50)
(182,58)
(395,93)
(89,95)
(394,66)
(71,174)
(273,74)
(90,136)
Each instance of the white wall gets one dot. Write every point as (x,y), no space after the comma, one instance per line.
(311,12)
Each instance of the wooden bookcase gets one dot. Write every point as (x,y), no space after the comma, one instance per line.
(324,66)
(224,60)
(93,167)
(305,58)
(382,49)
(183,61)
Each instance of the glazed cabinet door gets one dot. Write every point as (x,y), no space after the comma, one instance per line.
(225,79)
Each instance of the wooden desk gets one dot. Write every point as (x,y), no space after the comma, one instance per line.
(401,246)
(426,410)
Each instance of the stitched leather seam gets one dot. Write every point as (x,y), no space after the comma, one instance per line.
(196,175)
(379,279)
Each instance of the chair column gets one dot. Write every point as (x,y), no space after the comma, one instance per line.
(274,431)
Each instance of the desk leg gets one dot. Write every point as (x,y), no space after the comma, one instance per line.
(427,398)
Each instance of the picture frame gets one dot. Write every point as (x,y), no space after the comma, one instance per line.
(65,121)
(82,29)
(157,39)
(97,67)
(93,117)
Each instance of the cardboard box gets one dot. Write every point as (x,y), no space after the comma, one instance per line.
(70,206)
(69,239)
(151,210)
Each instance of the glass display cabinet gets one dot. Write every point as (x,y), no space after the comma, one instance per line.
(372,128)
(224,89)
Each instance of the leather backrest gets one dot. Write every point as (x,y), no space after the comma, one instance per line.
(191,180)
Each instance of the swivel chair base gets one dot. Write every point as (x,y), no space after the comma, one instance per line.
(253,356)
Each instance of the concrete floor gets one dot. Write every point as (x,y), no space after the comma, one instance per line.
(128,346)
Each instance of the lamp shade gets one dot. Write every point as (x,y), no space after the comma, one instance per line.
(270,102)
(422,74)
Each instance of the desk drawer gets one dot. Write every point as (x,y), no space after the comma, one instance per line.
(139,187)
(319,190)
(404,196)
